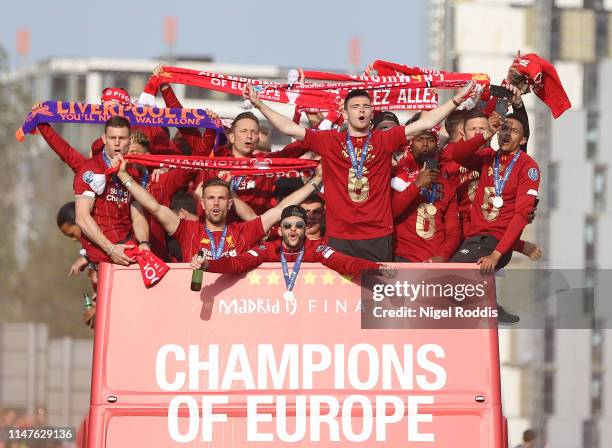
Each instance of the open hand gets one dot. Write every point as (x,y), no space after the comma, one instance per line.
(78,266)
(488,263)
(494,122)
(249,93)
(532,250)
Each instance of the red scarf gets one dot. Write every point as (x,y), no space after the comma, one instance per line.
(407,91)
(235,165)
(152,268)
(268,91)
(544,81)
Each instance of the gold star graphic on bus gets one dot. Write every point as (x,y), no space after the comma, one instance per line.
(273,278)
(309,278)
(254,278)
(345,279)
(328,278)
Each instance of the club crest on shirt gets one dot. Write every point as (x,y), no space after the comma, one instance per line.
(533,174)
(229,242)
(88,177)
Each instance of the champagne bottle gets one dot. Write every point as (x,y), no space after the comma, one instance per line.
(196,276)
(87,302)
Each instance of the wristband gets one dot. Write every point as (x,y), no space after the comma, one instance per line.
(110,252)
(127,182)
(316,186)
(144,242)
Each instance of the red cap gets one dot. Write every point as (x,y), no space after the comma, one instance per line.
(116,94)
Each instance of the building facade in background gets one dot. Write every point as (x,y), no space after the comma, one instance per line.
(558,381)
(83,79)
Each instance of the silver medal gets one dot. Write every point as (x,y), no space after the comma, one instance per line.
(498,202)
(289,296)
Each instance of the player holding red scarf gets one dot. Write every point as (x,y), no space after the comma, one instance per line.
(357,167)
(505,197)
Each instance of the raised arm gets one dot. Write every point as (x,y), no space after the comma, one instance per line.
(61,147)
(278,120)
(201,145)
(465,152)
(140,226)
(243,210)
(164,215)
(435,116)
(270,217)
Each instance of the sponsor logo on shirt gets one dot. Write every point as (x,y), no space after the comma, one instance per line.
(119,196)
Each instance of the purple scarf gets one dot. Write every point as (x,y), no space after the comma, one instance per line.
(71,112)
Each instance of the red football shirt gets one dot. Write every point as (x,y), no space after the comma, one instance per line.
(314,252)
(111,209)
(357,214)
(519,194)
(465,180)
(191,235)
(420,236)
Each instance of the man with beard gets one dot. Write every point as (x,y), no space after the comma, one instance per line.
(469,131)
(104,209)
(292,247)
(243,141)
(357,165)
(214,236)
(424,206)
(505,197)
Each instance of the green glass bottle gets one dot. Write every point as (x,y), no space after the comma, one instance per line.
(196,276)
(87,302)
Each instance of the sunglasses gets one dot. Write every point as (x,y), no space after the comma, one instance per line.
(297,224)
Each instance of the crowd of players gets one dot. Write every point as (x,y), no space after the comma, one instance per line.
(383,192)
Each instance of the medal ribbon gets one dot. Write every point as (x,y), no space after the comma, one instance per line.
(357,166)
(290,279)
(430,194)
(498,183)
(235,183)
(214,250)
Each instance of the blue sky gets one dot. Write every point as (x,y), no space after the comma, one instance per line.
(310,34)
